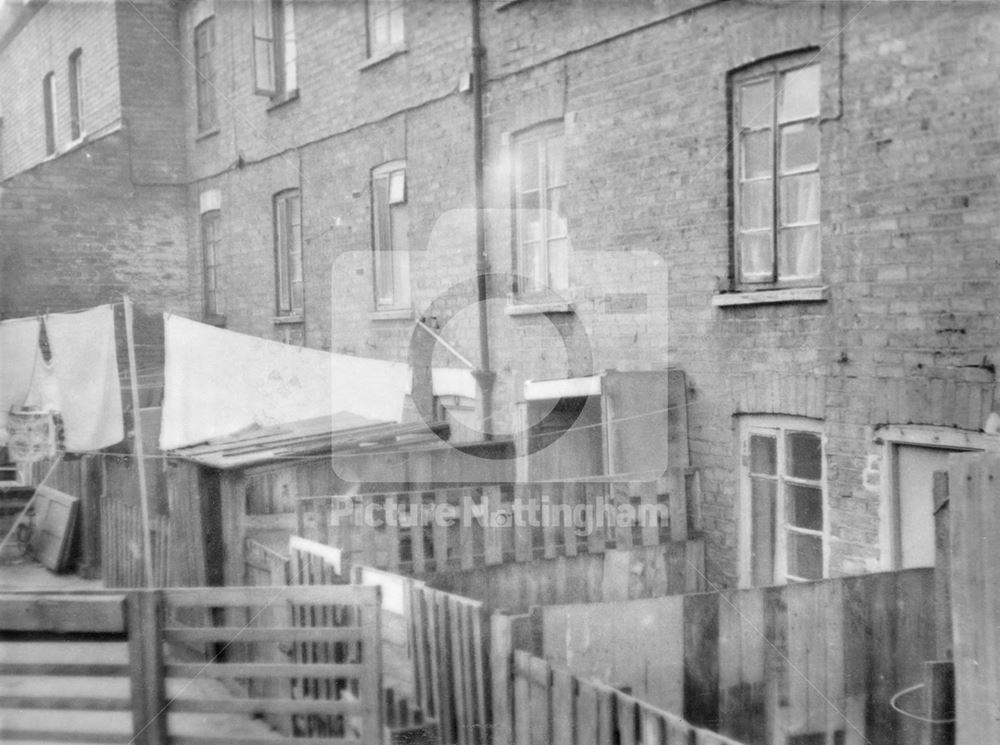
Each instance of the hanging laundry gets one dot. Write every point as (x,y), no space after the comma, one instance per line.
(86,367)
(218,382)
(18,357)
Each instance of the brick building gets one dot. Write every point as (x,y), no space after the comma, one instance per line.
(92,161)
(794,203)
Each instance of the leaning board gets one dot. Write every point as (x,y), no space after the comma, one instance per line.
(55,520)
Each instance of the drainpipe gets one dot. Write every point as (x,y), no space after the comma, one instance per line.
(485,377)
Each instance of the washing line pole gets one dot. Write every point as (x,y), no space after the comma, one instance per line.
(147,552)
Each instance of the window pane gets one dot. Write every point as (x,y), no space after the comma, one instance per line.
(805,556)
(800,199)
(805,455)
(799,96)
(527,166)
(400,255)
(756,160)
(763,454)
(756,263)
(799,147)
(555,215)
(531,220)
(397,187)
(396,25)
(756,100)
(762,508)
(532,264)
(756,204)
(804,506)
(798,253)
(559,264)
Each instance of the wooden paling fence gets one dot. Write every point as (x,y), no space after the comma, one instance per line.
(342,621)
(160,657)
(436,654)
(974,496)
(122,546)
(550,706)
(810,662)
(409,531)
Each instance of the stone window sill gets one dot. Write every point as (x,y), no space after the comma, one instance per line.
(769,297)
(391,314)
(530,309)
(383,56)
(281,99)
(206,134)
(291,318)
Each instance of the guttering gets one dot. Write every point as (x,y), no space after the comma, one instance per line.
(485,377)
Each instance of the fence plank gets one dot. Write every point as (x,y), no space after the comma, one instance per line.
(371,675)
(522,698)
(585,721)
(563,714)
(541,715)
(493,532)
(148,692)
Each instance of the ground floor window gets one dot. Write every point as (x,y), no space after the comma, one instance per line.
(784,524)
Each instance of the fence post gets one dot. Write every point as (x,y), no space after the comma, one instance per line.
(372,693)
(939,685)
(942,562)
(145,642)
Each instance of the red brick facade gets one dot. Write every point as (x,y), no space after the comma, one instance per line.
(900,329)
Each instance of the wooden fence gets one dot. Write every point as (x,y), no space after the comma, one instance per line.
(122,546)
(433,531)
(974,503)
(160,657)
(818,660)
(550,706)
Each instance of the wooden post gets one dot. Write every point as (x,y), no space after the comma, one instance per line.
(939,688)
(145,642)
(942,563)
(372,695)
(147,553)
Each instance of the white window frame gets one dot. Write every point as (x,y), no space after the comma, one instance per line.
(49,112)
(389,180)
(773,70)
(287,205)
(206,104)
(275,55)
(546,277)
(75,79)
(387,11)
(777,426)
(214,304)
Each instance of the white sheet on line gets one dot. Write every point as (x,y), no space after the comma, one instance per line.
(218,382)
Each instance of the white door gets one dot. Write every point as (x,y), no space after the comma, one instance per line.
(914,524)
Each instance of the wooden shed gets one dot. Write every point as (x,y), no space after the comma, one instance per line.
(249,483)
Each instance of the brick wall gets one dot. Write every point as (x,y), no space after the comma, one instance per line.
(77,233)
(44,45)
(909,227)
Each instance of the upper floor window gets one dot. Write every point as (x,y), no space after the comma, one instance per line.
(776,189)
(385,25)
(390,228)
(540,232)
(274,53)
(76,94)
(288,252)
(784,535)
(49,107)
(204,65)
(210,244)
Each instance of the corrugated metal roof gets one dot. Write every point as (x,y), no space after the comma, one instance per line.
(326,434)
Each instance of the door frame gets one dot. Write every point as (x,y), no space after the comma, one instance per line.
(891,437)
